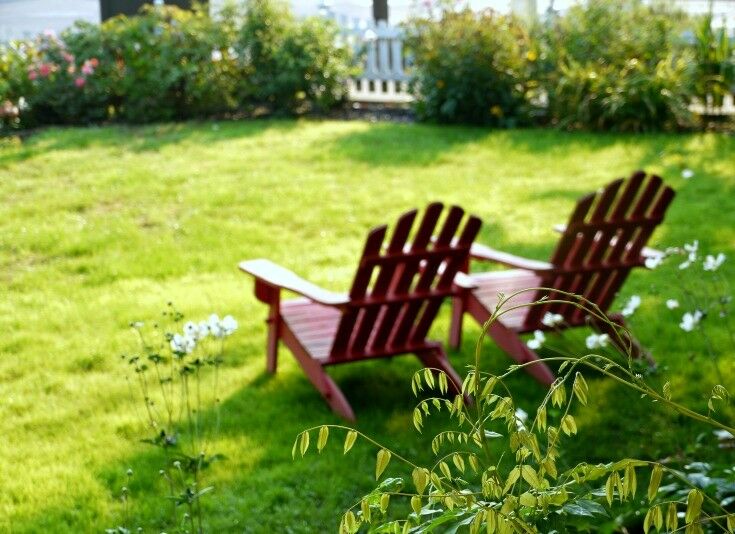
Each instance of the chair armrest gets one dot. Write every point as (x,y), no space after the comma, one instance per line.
(275,275)
(481,252)
(464,281)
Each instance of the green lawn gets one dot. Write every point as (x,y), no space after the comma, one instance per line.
(103,226)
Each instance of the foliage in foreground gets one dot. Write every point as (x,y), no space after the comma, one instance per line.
(526,488)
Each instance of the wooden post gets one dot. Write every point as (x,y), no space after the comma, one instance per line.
(380,10)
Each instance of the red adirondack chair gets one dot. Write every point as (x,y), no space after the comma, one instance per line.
(395,296)
(603,240)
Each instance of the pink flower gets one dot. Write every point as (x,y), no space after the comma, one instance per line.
(79,82)
(69,58)
(87,68)
(45,69)
(32,75)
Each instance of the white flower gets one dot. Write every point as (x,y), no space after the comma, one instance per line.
(202,330)
(595,341)
(214,325)
(216,55)
(22,103)
(687,173)
(232,53)
(631,306)
(183,344)
(672,303)
(521,418)
(191,330)
(654,261)
(228,324)
(692,254)
(690,320)
(537,341)
(712,263)
(552,319)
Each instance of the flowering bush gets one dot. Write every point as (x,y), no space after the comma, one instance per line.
(167,64)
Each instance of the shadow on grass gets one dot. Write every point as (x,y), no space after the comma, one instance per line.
(137,139)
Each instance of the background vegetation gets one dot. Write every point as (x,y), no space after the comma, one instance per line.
(95,233)
(618,65)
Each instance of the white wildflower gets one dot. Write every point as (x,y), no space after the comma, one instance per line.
(691,254)
(690,320)
(214,325)
(552,319)
(183,344)
(521,418)
(537,341)
(631,306)
(191,330)
(202,330)
(654,261)
(687,174)
(216,55)
(595,341)
(672,304)
(712,263)
(228,325)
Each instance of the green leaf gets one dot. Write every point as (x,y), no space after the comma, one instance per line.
(667,390)
(731,523)
(541,418)
(458,462)
(416,504)
(513,477)
(648,520)
(304,445)
(420,479)
(529,475)
(429,377)
(672,519)
(381,462)
(610,489)
(350,439)
(444,468)
(384,502)
(350,522)
(580,388)
(656,474)
(568,425)
(528,500)
(443,383)
(323,437)
(365,508)
(558,395)
(694,505)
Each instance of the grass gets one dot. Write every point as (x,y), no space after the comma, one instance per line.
(103,226)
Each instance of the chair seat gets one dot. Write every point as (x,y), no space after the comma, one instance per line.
(314,325)
(490,285)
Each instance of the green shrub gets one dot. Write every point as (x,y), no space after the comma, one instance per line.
(715,63)
(616,65)
(171,64)
(470,67)
(290,64)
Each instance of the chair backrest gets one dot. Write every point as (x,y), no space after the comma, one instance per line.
(602,242)
(398,289)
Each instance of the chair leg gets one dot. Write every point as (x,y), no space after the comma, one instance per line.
(274,326)
(318,377)
(455,329)
(511,343)
(627,343)
(437,359)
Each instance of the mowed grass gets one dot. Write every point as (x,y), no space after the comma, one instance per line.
(103,226)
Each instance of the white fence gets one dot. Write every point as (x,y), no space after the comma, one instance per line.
(383,78)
